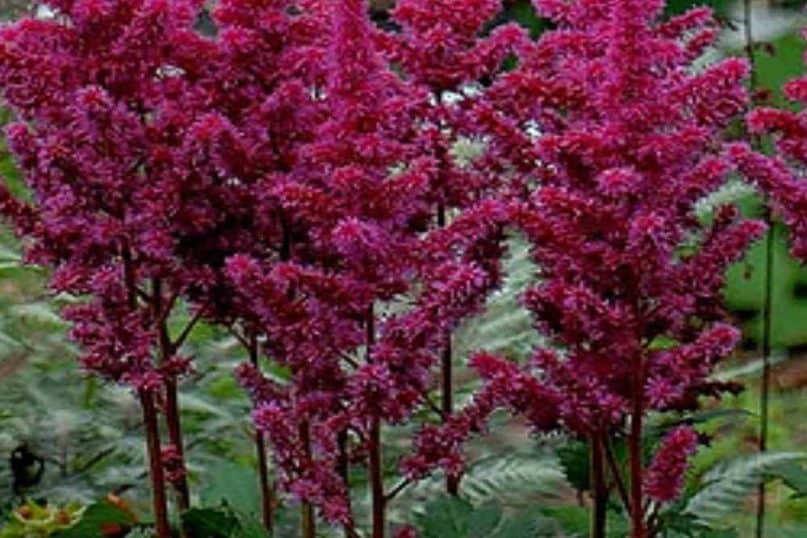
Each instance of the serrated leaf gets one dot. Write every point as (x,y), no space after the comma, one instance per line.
(528,525)
(95,519)
(39,313)
(793,474)
(233,484)
(7,341)
(484,520)
(726,486)
(574,456)
(446,517)
(211,522)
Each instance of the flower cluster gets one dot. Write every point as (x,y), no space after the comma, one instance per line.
(105,139)
(630,281)
(354,199)
(664,478)
(781,177)
(109,121)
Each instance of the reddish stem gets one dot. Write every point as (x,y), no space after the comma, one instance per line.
(376,479)
(172,415)
(344,472)
(447,408)
(617,475)
(599,490)
(635,447)
(308,522)
(376,463)
(266,489)
(156,474)
(447,389)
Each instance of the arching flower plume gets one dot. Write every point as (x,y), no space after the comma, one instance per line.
(106,109)
(629,285)
(782,176)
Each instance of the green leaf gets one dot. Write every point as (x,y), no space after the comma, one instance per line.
(93,520)
(453,517)
(249,527)
(726,486)
(574,456)
(233,484)
(211,522)
(793,474)
(528,524)
(515,478)
(484,520)
(446,517)
(572,519)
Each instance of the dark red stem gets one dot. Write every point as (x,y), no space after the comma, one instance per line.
(375,457)
(599,490)
(156,474)
(266,488)
(635,449)
(344,471)
(447,374)
(172,417)
(452,481)
(150,420)
(308,522)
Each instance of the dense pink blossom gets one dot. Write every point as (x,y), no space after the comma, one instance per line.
(439,45)
(621,170)
(99,141)
(628,138)
(406,532)
(665,475)
(353,199)
(174,464)
(505,385)
(109,120)
(292,178)
(781,177)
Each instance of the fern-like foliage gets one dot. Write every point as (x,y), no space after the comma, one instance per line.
(726,486)
(514,478)
(505,327)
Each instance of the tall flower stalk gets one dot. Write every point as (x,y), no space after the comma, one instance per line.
(96,139)
(767,289)
(259,66)
(780,178)
(629,291)
(360,310)
(440,48)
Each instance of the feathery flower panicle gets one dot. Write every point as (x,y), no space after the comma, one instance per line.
(664,478)
(446,51)
(441,43)
(106,104)
(98,141)
(352,196)
(630,138)
(783,177)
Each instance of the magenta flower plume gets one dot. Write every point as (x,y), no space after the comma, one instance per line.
(619,138)
(781,177)
(440,47)
(106,107)
(622,168)
(351,198)
(96,146)
(664,477)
